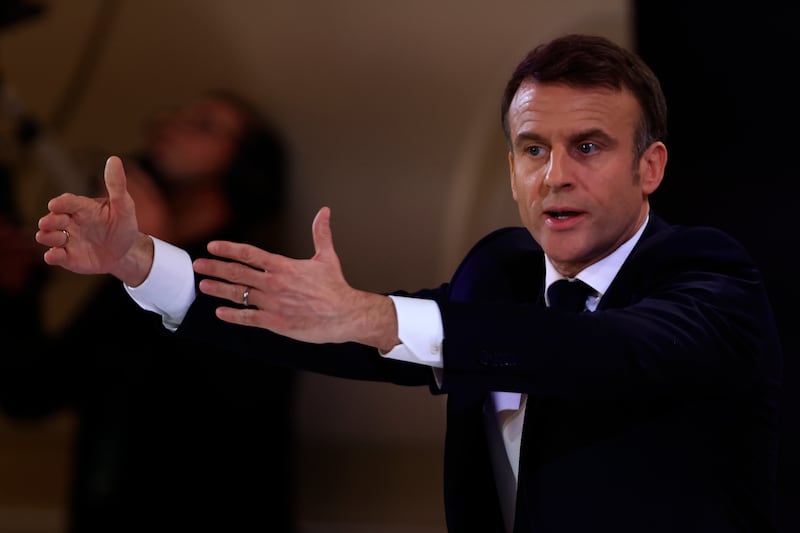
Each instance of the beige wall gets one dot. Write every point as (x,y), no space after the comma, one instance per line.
(390,109)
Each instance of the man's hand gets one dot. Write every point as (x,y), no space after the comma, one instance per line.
(97,235)
(308,300)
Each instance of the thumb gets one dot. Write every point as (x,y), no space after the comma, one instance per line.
(114,177)
(321,233)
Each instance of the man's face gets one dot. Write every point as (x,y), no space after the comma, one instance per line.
(573,175)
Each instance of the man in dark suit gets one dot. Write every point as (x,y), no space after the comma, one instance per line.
(656,410)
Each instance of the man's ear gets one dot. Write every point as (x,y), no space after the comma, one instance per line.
(651,167)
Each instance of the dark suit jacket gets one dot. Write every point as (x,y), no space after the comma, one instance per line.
(657,412)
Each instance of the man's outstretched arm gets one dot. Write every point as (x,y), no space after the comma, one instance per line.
(307,300)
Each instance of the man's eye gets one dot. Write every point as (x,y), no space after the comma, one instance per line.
(534,150)
(587,148)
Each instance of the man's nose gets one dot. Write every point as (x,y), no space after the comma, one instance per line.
(558,173)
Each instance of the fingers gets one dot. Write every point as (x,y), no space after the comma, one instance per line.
(237,293)
(55,239)
(114,176)
(51,233)
(53,222)
(321,233)
(242,253)
(230,280)
(229,271)
(258,258)
(68,203)
(55,256)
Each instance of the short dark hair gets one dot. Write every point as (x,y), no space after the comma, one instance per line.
(592,61)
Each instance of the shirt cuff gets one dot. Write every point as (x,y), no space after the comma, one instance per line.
(419,327)
(169,287)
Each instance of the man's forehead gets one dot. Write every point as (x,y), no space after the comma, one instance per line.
(557,106)
(532,92)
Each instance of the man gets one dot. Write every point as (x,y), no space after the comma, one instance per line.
(654,411)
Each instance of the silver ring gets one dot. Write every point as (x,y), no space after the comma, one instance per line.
(66,238)
(245,294)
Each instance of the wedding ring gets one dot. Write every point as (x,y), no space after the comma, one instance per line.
(245,294)
(66,238)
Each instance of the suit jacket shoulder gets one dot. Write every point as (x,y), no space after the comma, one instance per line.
(505,265)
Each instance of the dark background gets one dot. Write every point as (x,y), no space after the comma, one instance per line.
(728,74)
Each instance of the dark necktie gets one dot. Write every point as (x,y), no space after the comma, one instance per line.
(568,295)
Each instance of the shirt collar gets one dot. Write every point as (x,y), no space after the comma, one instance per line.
(599,275)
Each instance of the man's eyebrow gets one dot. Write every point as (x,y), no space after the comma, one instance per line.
(527,136)
(593,133)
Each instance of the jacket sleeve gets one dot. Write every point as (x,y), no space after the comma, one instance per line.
(346,360)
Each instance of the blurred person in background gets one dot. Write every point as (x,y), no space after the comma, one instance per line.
(172,435)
